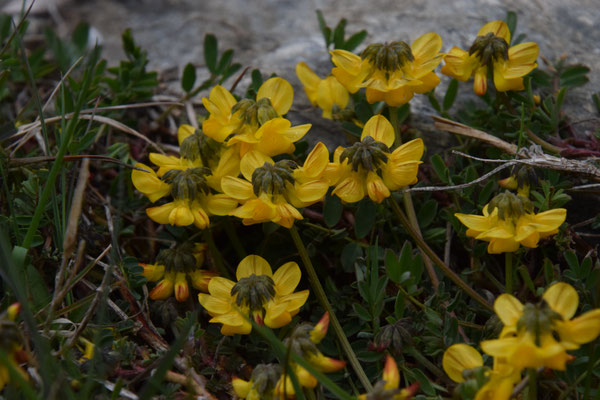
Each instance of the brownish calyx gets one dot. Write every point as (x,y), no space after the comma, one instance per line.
(187,184)
(200,146)
(368,154)
(255,112)
(271,178)
(388,57)
(178,259)
(254,291)
(510,205)
(489,48)
(538,319)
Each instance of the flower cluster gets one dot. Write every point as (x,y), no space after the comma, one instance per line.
(259,294)
(269,381)
(10,344)
(175,268)
(388,387)
(193,180)
(491,53)
(533,336)
(508,222)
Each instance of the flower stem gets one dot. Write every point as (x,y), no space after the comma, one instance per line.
(532,385)
(508,272)
(408,203)
(431,254)
(216,254)
(320,293)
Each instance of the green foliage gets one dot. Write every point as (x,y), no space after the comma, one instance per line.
(336,36)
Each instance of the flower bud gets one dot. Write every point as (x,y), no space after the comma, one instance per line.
(388,56)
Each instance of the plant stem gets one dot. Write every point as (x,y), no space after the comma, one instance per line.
(320,293)
(408,203)
(508,272)
(532,385)
(216,254)
(431,254)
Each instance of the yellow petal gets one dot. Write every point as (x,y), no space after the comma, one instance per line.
(550,220)
(182,290)
(184,131)
(320,329)
(214,305)
(477,223)
(286,278)
(429,81)
(241,387)
(279,91)
(380,129)
(409,151)
(426,47)
(286,214)
(346,60)
(458,64)
(237,188)
(153,272)
(276,315)
(181,215)
(391,376)
(562,298)
(350,189)
(294,301)
(164,288)
(325,364)
(253,264)
(309,79)
(498,28)
(459,357)
(252,160)
(508,308)
(311,192)
(220,287)
(498,246)
(316,161)
(393,98)
(480,81)
(161,214)
(582,329)
(219,102)
(220,204)
(376,188)
(148,183)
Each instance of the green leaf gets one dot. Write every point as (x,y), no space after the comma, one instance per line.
(399,305)
(573,76)
(325,30)
(350,253)
(427,213)
(188,79)
(354,41)
(450,95)
(332,210)
(362,312)
(486,192)
(210,52)
(434,101)
(365,218)
(338,34)
(225,61)
(440,168)
(571,259)
(511,21)
(392,266)
(403,112)
(424,383)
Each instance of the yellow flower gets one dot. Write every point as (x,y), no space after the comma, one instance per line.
(304,339)
(391,72)
(10,344)
(388,386)
(328,94)
(370,168)
(464,365)
(529,336)
(506,231)
(149,183)
(261,385)
(259,294)
(254,124)
(175,268)
(273,191)
(491,52)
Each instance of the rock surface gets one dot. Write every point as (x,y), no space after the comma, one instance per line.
(273,35)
